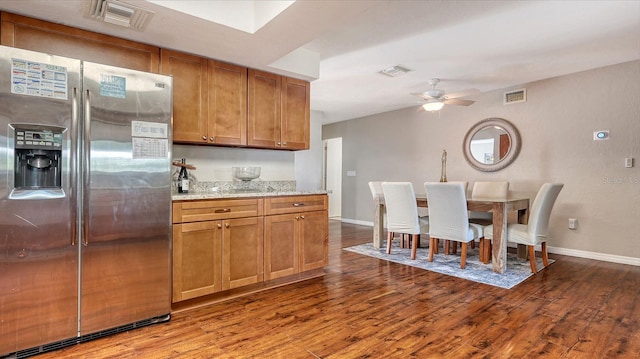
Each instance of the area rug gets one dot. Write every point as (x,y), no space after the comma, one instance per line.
(517,270)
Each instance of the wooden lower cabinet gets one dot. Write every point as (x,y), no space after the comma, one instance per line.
(213,256)
(222,247)
(295,243)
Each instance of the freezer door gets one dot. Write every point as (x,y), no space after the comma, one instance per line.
(38,258)
(127,197)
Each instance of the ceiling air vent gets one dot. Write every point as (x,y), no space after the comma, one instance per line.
(515,96)
(395,71)
(119,13)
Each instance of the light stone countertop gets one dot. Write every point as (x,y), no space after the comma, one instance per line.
(234,189)
(238,194)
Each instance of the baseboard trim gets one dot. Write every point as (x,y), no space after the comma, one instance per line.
(555,250)
(355,221)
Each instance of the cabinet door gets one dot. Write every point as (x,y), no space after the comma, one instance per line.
(227,104)
(242,248)
(314,240)
(37,35)
(197,267)
(189,95)
(295,114)
(264,114)
(281,246)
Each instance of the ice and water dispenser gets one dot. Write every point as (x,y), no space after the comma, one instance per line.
(38,157)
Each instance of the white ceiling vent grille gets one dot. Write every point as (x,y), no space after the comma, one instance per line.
(119,13)
(515,96)
(395,71)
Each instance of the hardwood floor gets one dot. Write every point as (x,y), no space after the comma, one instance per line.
(368,308)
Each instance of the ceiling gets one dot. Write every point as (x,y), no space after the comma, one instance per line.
(342,45)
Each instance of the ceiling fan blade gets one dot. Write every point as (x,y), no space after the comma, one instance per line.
(459,102)
(422,95)
(464,93)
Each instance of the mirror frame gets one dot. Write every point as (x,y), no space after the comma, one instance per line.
(510,129)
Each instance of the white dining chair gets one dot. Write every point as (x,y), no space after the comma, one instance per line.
(448,216)
(402,214)
(536,231)
(486,190)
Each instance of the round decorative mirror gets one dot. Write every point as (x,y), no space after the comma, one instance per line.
(491,145)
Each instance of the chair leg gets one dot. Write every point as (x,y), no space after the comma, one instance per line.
(532,259)
(473,244)
(389,239)
(463,255)
(446,246)
(414,245)
(487,251)
(432,247)
(545,257)
(454,247)
(481,250)
(435,250)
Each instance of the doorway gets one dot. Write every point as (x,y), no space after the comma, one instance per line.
(332,175)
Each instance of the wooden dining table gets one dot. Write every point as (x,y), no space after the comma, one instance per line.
(500,209)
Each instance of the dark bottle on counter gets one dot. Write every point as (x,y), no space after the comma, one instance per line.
(183,179)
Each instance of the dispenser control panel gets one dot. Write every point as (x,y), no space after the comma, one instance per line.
(38,139)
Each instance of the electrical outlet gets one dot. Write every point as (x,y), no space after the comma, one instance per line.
(573,223)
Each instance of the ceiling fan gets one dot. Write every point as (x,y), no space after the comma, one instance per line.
(436,98)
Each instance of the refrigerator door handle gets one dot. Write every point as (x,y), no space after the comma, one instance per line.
(73,188)
(86,149)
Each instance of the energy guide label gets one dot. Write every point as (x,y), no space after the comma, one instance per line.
(38,79)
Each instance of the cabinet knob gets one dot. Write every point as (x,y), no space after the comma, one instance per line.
(219,225)
(284,143)
(212,138)
(279,143)
(226,225)
(302,217)
(297,218)
(204,138)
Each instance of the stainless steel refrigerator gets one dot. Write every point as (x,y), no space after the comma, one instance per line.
(85,199)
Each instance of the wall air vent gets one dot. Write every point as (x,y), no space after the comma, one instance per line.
(119,13)
(515,96)
(395,71)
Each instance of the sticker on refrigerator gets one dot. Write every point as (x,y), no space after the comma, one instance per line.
(38,79)
(149,129)
(150,139)
(150,148)
(113,86)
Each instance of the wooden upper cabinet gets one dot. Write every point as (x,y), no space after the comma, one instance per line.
(227,104)
(278,111)
(264,98)
(295,114)
(189,95)
(37,35)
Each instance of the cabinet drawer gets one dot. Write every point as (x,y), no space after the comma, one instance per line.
(207,210)
(295,204)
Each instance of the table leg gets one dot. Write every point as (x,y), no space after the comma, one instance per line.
(378,225)
(499,253)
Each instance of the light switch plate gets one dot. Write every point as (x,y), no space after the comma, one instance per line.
(351,173)
(628,162)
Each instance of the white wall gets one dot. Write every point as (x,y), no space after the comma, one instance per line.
(308,163)
(556,125)
(214,163)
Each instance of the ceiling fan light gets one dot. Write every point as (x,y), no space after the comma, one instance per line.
(432,106)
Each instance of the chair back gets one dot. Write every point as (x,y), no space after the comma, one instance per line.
(490,189)
(376,190)
(401,207)
(541,209)
(448,217)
